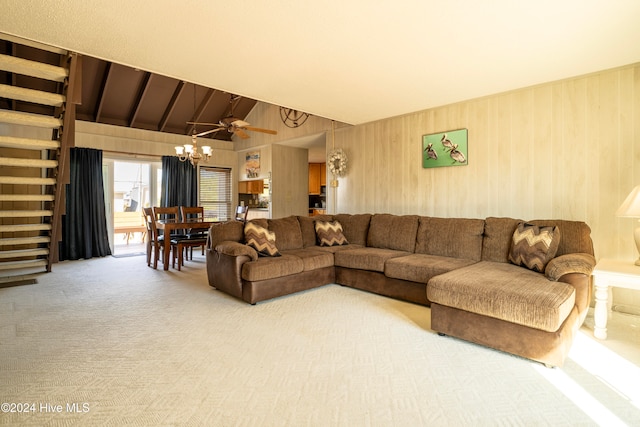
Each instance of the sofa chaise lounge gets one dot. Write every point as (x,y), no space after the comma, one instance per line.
(464,269)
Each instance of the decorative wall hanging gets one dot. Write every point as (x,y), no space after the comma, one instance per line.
(336,158)
(445,149)
(293,118)
(252,164)
(337,161)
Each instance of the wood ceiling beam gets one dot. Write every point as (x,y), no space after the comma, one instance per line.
(171,106)
(103,90)
(200,110)
(233,102)
(146,83)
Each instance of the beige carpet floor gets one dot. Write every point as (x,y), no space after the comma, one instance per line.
(112,342)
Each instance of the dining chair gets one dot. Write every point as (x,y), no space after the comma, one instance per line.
(241,213)
(193,239)
(169,213)
(154,242)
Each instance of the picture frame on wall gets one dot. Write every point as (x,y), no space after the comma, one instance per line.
(448,148)
(252,164)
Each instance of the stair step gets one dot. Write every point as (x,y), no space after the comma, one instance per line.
(20,279)
(24,227)
(29,119)
(28,163)
(26,197)
(21,180)
(31,95)
(20,253)
(28,143)
(14,241)
(25,213)
(15,265)
(25,67)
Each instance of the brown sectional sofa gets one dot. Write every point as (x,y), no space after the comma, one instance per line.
(457,266)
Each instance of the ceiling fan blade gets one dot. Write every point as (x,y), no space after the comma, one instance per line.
(203,123)
(241,133)
(269,131)
(207,132)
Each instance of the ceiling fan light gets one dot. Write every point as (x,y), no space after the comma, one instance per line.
(188,148)
(179,150)
(206,150)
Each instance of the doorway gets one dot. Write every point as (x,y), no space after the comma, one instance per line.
(130,185)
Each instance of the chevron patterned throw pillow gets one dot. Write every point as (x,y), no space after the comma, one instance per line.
(261,239)
(329,233)
(533,246)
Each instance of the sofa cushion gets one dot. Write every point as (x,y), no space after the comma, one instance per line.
(533,246)
(334,249)
(505,291)
(261,239)
(420,267)
(312,259)
(498,233)
(308,230)
(397,232)
(329,233)
(269,268)
(355,227)
(450,237)
(576,235)
(371,259)
(288,234)
(226,231)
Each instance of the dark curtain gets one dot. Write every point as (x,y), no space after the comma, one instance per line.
(179,183)
(84,226)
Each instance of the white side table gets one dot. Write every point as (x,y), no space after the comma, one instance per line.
(607,274)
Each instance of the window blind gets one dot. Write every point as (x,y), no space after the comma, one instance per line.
(215,192)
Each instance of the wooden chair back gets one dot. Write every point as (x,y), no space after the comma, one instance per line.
(191,212)
(153,246)
(241,213)
(172,212)
(149,222)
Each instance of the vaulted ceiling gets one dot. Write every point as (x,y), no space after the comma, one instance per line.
(123,96)
(352,61)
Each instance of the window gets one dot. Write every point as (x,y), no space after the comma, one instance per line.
(215,192)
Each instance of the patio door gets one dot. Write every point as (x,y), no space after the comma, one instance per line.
(129,185)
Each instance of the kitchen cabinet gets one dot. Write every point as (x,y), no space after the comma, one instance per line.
(251,187)
(317,177)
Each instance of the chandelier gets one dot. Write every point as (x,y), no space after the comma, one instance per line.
(190,152)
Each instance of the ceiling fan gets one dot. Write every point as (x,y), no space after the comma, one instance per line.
(231,124)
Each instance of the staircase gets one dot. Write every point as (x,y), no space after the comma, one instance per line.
(38,92)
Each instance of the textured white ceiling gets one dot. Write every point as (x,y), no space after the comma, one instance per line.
(353,61)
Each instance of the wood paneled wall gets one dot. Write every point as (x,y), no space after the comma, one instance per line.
(568,149)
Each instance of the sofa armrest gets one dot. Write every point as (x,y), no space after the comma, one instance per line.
(570,263)
(236,249)
(224,266)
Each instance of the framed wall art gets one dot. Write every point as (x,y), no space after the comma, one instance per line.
(252,164)
(445,149)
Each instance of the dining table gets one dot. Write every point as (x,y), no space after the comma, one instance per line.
(170,225)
